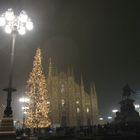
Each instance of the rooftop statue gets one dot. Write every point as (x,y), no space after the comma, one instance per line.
(127,91)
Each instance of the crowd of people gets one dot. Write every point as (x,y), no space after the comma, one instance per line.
(96,130)
(106,129)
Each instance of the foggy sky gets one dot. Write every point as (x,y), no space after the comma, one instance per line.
(99,39)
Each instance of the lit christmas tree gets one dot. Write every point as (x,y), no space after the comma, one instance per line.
(36,90)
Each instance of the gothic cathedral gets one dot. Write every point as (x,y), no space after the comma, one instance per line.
(70,104)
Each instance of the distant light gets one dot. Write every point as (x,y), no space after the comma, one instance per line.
(25,112)
(115,110)
(87,109)
(25,107)
(21,100)
(48,102)
(101,119)
(109,117)
(77,102)
(137,106)
(50,131)
(24,99)
(78,110)
(27,100)
(63,102)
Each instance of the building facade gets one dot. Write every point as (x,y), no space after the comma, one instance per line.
(70,105)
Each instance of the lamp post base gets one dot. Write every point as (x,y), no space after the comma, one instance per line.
(7,130)
(8,110)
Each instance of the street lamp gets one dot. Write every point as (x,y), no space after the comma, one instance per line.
(109,118)
(101,119)
(24,100)
(114,110)
(13,25)
(137,106)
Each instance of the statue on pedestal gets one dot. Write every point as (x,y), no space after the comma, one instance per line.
(127,91)
(127,113)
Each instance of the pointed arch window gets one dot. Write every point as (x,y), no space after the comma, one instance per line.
(78,109)
(87,110)
(62,102)
(62,88)
(77,102)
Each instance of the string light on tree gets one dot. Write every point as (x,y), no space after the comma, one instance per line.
(36,90)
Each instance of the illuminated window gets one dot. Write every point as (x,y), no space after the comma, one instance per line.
(62,88)
(48,102)
(62,102)
(78,110)
(77,102)
(87,109)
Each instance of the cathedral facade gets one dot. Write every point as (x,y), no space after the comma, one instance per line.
(70,105)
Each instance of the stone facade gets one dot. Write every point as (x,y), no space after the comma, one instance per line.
(70,104)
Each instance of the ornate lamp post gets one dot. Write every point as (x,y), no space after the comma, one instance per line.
(13,25)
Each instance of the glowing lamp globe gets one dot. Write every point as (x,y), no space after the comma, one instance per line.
(2,21)
(22,31)
(16,24)
(8,29)
(29,25)
(9,15)
(23,17)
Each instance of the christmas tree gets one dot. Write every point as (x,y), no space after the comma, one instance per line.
(36,90)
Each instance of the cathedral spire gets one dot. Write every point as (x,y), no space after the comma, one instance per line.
(56,71)
(94,102)
(50,68)
(93,90)
(82,83)
(72,73)
(68,71)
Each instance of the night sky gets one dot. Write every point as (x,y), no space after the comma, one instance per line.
(98,38)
